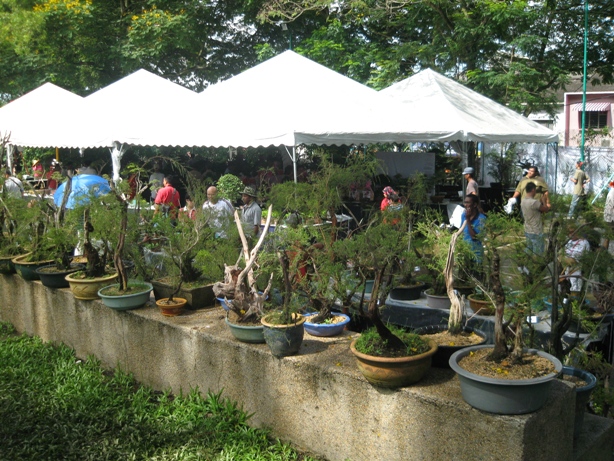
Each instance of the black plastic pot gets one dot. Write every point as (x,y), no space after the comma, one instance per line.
(56,278)
(408,293)
(441,359)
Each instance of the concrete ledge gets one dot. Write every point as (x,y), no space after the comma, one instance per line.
(318,400)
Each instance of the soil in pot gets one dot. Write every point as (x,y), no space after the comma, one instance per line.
(52,277)
(531,366)
(449,343)
(332,327)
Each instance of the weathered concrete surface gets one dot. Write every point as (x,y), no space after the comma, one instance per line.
(317,400)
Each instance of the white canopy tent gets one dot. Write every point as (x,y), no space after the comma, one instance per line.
(447,105)
(48,116)
(291,100)
(141,109)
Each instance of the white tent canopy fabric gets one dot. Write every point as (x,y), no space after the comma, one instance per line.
(44,117)
(141,109)
(290,100)
(447,105)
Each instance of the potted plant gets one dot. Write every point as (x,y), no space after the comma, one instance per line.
(504,379)
(96,218)
(385,357)
(13,222)
(316,268)
(241,285)
(127,294)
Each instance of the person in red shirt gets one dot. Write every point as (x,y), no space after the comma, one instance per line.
(167,199)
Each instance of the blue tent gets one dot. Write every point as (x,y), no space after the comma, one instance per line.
(83,187)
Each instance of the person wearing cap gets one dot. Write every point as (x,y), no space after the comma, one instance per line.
(472,184)
(580,179)
(520,192)
(251,214)
(37,169)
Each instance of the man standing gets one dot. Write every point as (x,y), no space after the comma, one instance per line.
(533,222)
(251,215)
(580,179)
(167,199)
(540,191)
(472,184)
(12,185)
(219,210)
(475,223)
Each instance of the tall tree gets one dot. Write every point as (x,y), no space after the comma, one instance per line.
(518,52)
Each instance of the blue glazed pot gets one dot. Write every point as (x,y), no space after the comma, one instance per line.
(284,340)
(583,395)
(127,301)
(326,329)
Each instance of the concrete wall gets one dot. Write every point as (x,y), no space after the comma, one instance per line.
(318,400)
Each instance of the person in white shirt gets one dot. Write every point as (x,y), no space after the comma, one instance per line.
(220,212)
(12,185)
(574,249)
(156,180)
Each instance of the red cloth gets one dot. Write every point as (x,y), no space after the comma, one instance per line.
(52,184)
(168,195)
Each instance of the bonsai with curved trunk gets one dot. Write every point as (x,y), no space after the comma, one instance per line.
(240,284)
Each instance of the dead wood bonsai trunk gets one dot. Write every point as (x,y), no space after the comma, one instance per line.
(240,284)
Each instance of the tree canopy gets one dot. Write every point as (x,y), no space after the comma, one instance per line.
(518,52)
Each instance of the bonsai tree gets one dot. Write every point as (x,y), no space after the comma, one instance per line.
(308,251)
(230,187)
(240,283)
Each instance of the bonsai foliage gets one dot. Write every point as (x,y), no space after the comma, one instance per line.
(14,231)
(378,249)
(230,187)
(307,250)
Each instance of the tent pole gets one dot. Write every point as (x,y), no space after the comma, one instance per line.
(294,163)
(9,157)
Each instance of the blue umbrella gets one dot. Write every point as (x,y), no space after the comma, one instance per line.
(83,187)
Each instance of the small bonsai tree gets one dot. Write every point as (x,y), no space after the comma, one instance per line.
(240,284)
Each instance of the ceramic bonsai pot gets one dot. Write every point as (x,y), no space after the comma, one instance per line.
(196,297)
(53,278)
(481,307)
(407,293)
(284,340)
(394,372)
(583,395)
(27,269)
(6,265)
(326,329)
(171,310)
(437,301)
(504,396)
(441,358)
(246,333)
(86,289)
(126,301)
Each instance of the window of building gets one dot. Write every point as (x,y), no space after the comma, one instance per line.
(594,119)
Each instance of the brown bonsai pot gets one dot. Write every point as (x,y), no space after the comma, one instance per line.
(87,288)
(172,308)
(481,307)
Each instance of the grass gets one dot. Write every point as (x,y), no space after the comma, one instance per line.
(54,406)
